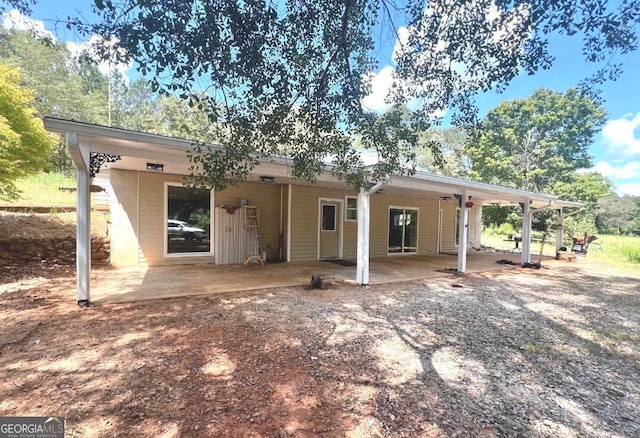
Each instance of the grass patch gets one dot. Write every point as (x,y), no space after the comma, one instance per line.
(43,189)
(608,251)
(619,250)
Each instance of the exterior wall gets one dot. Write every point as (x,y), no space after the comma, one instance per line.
(153,221)
(304,222)
(123,228)
(285,222)
(266,197)
(139,225)
(102,199)
(379,227)
(304,226)
(448,243)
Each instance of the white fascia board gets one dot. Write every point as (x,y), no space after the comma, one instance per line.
(569,204)
(461,184)
(111,135)
(158,148)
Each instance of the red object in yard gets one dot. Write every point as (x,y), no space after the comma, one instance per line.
(230,209)
(468,204)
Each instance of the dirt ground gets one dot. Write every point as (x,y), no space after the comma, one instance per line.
(522,353)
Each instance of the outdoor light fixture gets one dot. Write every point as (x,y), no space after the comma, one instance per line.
(267,179)
(155,167)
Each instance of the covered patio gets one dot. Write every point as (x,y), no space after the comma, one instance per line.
(134,284)
(392,209)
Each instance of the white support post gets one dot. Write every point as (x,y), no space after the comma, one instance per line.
(526,232)
(463,230)
(83,219)
(362,268)
(559,229)
(289,204)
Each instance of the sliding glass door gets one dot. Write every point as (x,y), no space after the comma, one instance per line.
(403,230)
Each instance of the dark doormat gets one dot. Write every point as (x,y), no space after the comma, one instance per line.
(341,262)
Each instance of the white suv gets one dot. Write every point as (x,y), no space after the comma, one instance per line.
(176,228)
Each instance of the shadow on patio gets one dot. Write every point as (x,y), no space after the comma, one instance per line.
(133,284)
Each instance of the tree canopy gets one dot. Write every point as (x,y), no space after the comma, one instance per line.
(24,143)
(536,142)
(292,75)
(618,214)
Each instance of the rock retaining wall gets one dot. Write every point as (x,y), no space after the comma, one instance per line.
(63,251)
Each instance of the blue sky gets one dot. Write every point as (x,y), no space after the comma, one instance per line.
(616,150)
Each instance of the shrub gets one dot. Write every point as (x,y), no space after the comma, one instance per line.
(506,229)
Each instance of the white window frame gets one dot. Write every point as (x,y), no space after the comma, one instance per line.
(174,255)
(401,253)
(347,209)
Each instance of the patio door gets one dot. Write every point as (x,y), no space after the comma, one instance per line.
(403,230)
(330,224)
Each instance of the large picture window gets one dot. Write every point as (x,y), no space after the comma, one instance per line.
(403,230)
(188,220)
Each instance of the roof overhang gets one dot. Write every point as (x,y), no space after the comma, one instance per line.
(137,149)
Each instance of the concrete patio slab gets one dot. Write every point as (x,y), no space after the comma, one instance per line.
(133,284)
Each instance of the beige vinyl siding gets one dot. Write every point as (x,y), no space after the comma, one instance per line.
(285,222)
(449,226)
(350,230)
(379,227)
(304,228)
(153,222)
(474,238)
(266,197)
(448,233)
(304,222)
(123,228)
(139,223)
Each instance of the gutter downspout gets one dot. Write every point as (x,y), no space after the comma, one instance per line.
(364,219)
(81,159)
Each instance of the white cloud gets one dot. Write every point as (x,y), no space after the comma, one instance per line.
(628,171)
(500,22)
(629,189)
(94,47)
(380,86)
(14,20)
(619,136)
